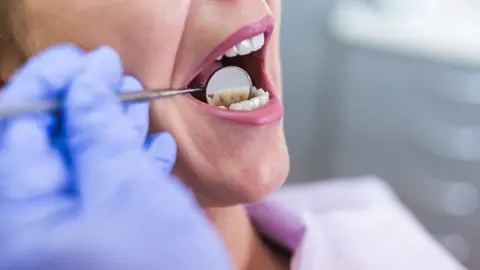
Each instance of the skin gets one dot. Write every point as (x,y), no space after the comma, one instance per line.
(161,41)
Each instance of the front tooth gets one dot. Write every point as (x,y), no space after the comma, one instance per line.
(264,99)
(232,52)
(247,105)
(259,92)
(244,47)
(257,42)
(256,102)
(236,107)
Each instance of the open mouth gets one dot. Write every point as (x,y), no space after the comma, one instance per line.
(244,49)
(248,55)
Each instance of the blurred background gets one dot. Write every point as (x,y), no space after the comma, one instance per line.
(390,88)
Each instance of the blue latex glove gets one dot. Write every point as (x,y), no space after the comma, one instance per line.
(128,211)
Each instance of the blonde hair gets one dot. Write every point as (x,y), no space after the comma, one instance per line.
(10,25)
(11,28)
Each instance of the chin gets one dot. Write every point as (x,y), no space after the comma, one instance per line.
(228,180)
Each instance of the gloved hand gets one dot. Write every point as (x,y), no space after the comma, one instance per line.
(128,212)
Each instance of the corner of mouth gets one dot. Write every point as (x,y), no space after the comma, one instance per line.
(245,48)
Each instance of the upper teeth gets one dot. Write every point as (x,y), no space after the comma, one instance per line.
(245,47)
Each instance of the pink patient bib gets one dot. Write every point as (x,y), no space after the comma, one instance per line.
(348,224)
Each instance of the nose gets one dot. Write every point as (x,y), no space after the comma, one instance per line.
(221,17)
(240,10)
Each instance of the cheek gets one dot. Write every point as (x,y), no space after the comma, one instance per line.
(234,172)
(150,56)
(150,45)
(146,33)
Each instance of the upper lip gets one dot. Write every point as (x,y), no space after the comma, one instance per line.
(250,30)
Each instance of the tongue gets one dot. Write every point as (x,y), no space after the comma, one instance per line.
(202,78)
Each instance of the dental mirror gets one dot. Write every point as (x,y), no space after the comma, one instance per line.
(230,81)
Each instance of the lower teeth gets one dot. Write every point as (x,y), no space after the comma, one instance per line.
(240,99)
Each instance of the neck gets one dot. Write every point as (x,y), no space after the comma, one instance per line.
(245,246)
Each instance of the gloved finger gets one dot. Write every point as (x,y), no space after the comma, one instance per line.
(16,215)
(162,147)
(29,166)
(93,114)
(137,112)
(102,141)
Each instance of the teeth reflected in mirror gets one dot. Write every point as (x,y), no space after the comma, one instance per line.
(229,96)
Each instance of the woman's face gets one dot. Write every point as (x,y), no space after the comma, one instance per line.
(228,156)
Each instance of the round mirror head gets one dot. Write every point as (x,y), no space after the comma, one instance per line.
(228,85)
